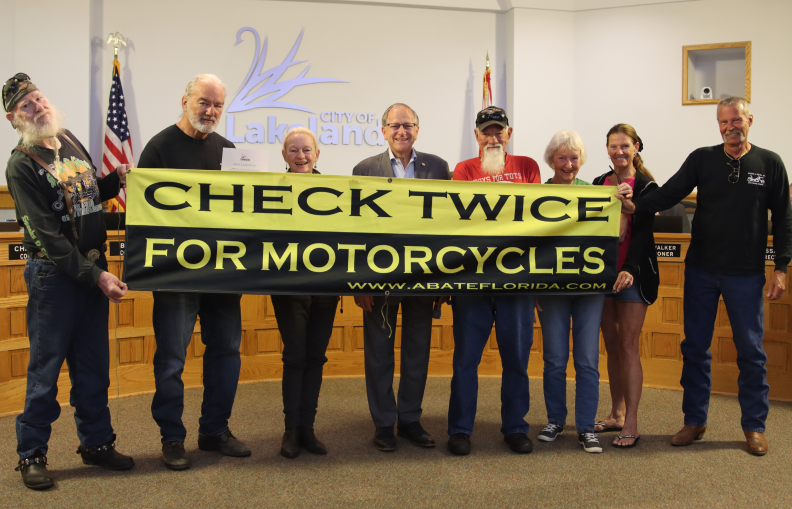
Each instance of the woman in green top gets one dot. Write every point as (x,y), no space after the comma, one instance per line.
(565,154)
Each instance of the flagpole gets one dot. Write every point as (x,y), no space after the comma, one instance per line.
(117,204)
(486,98)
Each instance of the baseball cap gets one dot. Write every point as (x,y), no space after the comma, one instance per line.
(15,88)
(490,116)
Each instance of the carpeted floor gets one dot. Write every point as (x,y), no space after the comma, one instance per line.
(716,472)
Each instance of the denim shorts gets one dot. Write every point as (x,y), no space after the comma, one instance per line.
(631,294)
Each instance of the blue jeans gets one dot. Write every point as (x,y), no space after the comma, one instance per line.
(65,320)
(221,332)
(586,311)
(473,318)
(743,296)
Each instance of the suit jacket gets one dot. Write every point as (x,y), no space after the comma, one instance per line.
(427,166)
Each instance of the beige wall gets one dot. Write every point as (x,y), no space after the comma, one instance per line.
(582,64)
(628,68)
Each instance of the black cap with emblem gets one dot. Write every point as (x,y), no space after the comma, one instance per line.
(490,116)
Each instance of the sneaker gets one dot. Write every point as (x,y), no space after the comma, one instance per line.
(589,441)
(550,432)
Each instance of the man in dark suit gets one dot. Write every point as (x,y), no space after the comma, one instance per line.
(400,128)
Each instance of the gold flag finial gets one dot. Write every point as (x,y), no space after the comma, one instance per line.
(488,60)
(116,39)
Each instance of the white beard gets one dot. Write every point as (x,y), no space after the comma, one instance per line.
(493,161)
(33,134)
(195,121)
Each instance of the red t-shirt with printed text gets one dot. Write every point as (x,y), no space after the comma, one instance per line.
(518,169)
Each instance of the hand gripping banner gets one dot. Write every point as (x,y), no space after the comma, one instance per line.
(285,233)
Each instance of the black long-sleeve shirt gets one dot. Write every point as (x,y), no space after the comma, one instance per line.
(729,232)
(172,148)
(42,212)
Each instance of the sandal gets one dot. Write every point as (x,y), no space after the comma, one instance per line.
(606,428)
(635,442)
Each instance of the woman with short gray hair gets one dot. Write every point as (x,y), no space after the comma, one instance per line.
(565,154)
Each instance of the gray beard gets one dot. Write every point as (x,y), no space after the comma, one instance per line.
(195,121)
(492,161)
(32,134)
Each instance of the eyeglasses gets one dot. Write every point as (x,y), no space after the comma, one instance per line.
(407,127)
(12,87)
(734,176)
(618,178)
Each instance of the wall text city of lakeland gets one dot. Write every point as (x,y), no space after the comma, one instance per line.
(268,233)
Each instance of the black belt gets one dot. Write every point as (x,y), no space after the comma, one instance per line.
(91,254)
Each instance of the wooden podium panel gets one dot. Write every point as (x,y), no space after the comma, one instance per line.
(132,342)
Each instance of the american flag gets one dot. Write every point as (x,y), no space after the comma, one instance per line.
(117,145)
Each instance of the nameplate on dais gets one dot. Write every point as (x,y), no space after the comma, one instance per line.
(669,250)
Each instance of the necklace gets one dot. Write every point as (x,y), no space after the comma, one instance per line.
(734,158)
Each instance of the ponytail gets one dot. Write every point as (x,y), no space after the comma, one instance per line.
(639,167)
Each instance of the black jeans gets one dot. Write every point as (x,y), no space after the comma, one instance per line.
(306,324)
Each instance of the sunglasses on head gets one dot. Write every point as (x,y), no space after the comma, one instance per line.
(488,115)
(12,86)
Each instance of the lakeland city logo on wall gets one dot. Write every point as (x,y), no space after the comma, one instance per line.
(265,89)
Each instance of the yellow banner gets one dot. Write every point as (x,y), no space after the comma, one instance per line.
(192,230)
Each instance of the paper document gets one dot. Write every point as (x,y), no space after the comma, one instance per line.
(237,159)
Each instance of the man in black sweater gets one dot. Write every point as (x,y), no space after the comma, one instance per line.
(737,183)
(193,144)
(58,201)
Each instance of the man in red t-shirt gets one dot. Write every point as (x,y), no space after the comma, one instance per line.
(494,164)
(474,315)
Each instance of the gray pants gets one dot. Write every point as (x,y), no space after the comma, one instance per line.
(379,358)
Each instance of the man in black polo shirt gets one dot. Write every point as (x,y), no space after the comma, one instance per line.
(192,144)
(737,183)
(58,201)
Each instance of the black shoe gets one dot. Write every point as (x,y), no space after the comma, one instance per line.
(225,443)
(414,432)
(384,439)
(459,444)
(34,472)
(290,444)
(519,442)
(310,442)
(106,456)
(174,456)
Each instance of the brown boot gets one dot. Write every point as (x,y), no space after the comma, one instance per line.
(688,434)
(757,445)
